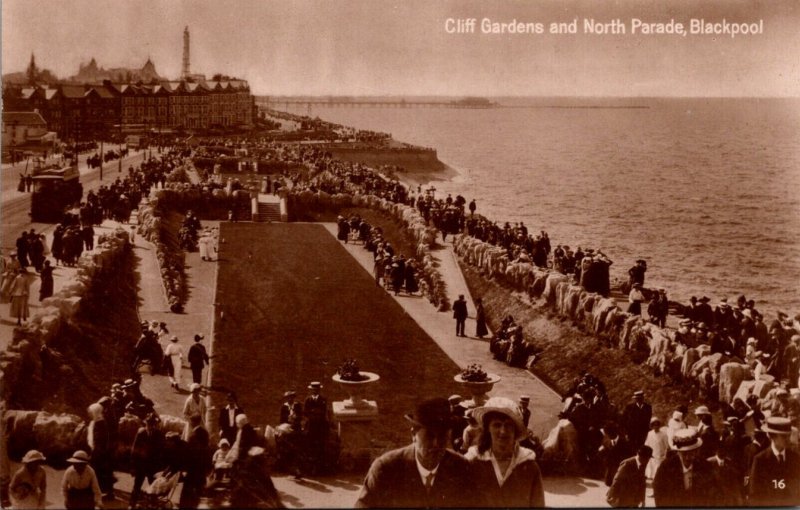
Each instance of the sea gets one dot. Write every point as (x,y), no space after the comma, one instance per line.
(707,191)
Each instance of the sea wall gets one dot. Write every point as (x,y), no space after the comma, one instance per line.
(547,292)
(410,159)
(424,236)
(56,350)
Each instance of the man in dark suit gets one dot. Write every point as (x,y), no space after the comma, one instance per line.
(613,451)
(315,409)
(686,479)
(706,432)
(775,476)
(227,419)
(198,358)
(146,455)
(460,314)
(756,446)
(628,487)
(197,466)
(424,474)
(636,420)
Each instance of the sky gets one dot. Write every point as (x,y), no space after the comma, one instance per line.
(381,47)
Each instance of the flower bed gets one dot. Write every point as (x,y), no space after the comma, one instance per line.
(171,259)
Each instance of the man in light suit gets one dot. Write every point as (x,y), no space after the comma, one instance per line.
(628,488)
(775,476)
(424,474)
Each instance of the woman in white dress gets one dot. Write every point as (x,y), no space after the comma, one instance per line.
(20,292)
(175,353)
(659,442)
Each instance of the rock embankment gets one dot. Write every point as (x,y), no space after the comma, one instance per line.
(710,375)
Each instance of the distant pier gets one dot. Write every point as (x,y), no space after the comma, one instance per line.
(277,103)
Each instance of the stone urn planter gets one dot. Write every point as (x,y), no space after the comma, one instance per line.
(477,389)
(355,390)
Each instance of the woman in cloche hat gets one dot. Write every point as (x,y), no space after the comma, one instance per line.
(28,487)
(506,472)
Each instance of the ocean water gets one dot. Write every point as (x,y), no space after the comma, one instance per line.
(706,190)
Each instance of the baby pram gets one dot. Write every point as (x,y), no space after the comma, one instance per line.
(159,494)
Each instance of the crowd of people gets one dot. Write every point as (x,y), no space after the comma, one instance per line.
(730,460)
(393,271)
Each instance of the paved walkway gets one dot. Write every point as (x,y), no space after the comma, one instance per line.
(340,491)
(440,326)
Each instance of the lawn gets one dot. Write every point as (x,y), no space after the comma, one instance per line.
(295,304)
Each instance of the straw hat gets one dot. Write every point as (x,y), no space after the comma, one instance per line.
(686,440)
(504,406)
(777,425)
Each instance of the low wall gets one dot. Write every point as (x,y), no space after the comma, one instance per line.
(424,236)
(57,436)
(714,376)
(38,346)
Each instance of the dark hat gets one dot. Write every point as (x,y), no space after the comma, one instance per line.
(197,338)
(705,299)
(433,413)
(777,425)
(645,451)
(693,299)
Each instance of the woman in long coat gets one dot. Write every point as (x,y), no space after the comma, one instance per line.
(99,439)
(411,277)
(20,291)
(46,285)
(480,319)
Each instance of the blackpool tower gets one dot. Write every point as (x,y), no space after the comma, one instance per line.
(185,70)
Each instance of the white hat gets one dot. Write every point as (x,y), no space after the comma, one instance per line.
(504,406)
(686,440)
(194,387)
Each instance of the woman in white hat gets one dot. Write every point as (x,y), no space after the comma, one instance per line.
(79,485)
(28,488)
(506,472)
(174,353)
(674,424)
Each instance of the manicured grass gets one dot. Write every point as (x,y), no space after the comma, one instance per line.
(295,304)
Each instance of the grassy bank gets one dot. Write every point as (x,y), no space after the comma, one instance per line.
(296,305)
(567,352)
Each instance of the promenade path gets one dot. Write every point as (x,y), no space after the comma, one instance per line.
(339,491)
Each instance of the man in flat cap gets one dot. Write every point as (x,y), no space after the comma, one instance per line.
(424,474)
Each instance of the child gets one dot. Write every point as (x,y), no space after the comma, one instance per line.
(221,465)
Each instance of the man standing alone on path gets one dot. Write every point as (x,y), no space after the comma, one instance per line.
(316,413)
(460,314)
(198,358)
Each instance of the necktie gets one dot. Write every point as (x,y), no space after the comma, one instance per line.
(429,482)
